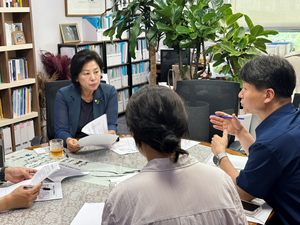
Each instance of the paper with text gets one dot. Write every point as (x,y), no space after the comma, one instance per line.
(97,126)
(50,191)
(90,213)
(44,172)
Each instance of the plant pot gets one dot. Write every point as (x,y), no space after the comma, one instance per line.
(176,75)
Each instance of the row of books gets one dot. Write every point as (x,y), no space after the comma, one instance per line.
(116,53)
(18,69)
(23,132)
(21,100)
(117,76)
(123,97)
(9,29)
(140,71)
(136,88)
(96,48)
(12,3)
(141,51)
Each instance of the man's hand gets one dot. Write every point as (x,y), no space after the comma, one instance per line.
(233,126)
(218,144)
(112,132)
(17,174)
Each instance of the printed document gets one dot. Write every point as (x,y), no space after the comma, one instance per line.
(97,126)
(90,213)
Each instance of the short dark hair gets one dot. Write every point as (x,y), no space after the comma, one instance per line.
(270,72)
(157,117)
(81,58)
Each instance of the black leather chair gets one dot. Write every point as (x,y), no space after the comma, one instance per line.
(2,153)
(203,98)
(296,100)
(51,89)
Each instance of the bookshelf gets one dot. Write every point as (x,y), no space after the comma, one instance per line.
(7,86)
(126,82)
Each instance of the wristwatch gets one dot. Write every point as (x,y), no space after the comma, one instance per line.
(218,157)
(2,174)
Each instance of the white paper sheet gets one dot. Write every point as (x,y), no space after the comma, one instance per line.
(104,140)
(237,161)
(186,144)
(97,126)
(55,192)
(124,146)
(263,215)
(90,213)
(44,172)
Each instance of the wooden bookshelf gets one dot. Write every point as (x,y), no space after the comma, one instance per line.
(18,15)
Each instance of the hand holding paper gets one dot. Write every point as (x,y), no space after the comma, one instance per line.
(98,133)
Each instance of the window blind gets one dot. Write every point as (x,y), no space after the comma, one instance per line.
(269,13)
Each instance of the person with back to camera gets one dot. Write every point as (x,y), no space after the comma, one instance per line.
(173,188)
(20,197)
(85,100)
(272,171)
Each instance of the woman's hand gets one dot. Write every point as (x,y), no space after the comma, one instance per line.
(17,174)
(112,132)
(233,126)
(22,197)
(72,145)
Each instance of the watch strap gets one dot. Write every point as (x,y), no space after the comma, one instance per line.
(219,157)
(2,174)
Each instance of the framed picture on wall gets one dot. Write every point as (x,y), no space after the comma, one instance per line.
(69,32)
(85,8)
(19,37)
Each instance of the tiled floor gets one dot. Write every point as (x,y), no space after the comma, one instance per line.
(122,128)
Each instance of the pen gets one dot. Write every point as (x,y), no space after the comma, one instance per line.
(45,189)
(229,117)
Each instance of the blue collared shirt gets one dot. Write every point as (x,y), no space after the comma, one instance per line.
(273,168)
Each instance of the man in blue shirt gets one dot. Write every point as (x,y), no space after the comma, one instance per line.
(273,168)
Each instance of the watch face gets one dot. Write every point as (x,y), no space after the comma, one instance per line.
(216,160)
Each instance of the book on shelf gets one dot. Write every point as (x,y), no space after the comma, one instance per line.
(9,28)
(1,109)
(21,100)
(17,69)
(12,3)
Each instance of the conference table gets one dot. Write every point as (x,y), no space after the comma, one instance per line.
(91,188)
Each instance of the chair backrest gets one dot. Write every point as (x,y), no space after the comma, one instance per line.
(51,89)
(296,100)
(2,153)
(169,57)
(217,95)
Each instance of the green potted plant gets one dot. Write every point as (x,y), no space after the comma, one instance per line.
(234,47)
(129,20)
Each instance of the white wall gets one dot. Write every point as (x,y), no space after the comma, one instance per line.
(47,15)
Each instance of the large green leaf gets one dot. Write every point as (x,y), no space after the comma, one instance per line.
(216,50)
(236,53)
(243,43)
(233,18)
(251,39)
(176,12)
(224,7)
(242,61)
(239,33)
(200,26)
(193,35)
(262,40)
(160,3)
(218,62)
(187,43)
(216,4)
(212,30)
(261,46)
(188,14)
(151,35)
(182,30)
(154,16)
(208,16)
(257,30)
(269,32)
(163,27)
(252,51)
(225,69)
(227,47)
(230,33)
(248,21)
(197,14)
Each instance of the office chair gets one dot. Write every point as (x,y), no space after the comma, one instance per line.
(2,153)
(169,57)
(296,100)
(51,89)
(217,94)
